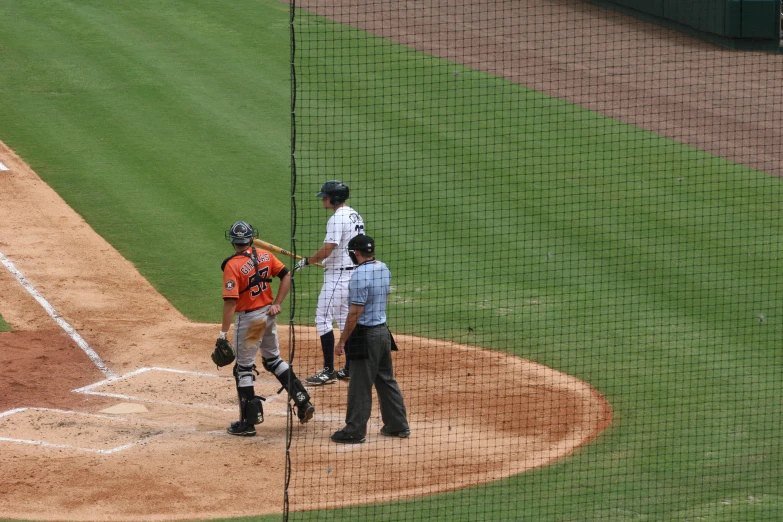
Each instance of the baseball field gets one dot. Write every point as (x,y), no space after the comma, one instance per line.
(586,258)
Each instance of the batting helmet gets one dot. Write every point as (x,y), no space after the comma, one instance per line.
(241,233)
(360,243)
(336,190)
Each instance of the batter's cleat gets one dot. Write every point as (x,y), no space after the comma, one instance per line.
(341,437)
(241,429)
(305,413)
(343,375)
(402,434)
(324,376)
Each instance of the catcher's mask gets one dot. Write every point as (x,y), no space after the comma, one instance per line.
(335,190)
(360,243)
(241,233)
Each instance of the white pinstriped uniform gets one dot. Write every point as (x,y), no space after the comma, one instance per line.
(333,300)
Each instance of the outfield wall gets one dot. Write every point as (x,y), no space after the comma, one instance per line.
(738,24)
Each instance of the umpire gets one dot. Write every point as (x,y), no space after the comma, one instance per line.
(368,344)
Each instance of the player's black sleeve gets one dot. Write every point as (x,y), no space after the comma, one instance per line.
(282,273)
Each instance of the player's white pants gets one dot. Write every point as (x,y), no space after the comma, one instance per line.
(333,301)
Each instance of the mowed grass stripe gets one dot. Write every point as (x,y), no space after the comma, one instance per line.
(160,126)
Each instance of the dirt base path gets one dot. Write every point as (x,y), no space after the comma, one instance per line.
(98,422)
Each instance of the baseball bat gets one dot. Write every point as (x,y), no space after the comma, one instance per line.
(274,248)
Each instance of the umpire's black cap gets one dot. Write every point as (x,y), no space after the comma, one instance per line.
(362,243)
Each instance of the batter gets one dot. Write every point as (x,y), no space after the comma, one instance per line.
(332,306)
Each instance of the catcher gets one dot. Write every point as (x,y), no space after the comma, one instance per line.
(247,296)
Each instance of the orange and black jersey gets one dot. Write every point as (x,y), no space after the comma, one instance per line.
(246,278)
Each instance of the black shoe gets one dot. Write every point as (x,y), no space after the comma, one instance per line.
(403,434)
(343,438)
(343,375)
(324,376)
(241,429)
(305,412)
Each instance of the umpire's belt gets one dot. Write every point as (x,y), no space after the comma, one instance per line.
(364,326)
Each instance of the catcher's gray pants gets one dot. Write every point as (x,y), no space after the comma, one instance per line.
(254,331)
(376,370)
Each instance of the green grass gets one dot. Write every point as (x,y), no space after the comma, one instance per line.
(510,220)
(4,326)
(161,124)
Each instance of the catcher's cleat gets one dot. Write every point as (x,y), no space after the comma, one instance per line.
(305,412)
(402,434)
(343,375)
(241,429)
(324,376)
(341,437)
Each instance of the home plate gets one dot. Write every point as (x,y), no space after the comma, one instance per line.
(125,407)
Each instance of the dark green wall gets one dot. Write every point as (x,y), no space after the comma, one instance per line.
(743,24)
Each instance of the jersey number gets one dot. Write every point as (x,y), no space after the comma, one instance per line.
(256,286)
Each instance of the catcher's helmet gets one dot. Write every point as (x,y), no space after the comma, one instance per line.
(336,190)
(241,233)
(360,243)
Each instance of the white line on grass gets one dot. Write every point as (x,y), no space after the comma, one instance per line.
(94,357)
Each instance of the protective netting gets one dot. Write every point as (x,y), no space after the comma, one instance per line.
(581,214)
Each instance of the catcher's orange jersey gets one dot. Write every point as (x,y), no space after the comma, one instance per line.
(241,283)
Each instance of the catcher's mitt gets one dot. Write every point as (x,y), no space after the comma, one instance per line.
(223,354)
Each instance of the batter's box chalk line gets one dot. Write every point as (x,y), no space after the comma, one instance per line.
(90,389)
(72,333)
(108,451)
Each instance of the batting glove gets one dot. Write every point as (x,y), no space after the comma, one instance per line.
(301,264)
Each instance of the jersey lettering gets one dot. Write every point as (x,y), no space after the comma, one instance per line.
(247,268)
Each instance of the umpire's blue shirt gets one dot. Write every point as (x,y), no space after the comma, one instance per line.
(369,287)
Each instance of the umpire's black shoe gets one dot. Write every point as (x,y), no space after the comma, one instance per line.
(343,438)
(343,375)
(241,429)
(402,434)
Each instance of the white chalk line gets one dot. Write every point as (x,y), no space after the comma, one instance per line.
(45,444)
(66,446)
(89,390)
(94,357)
(86,389)
(3,167)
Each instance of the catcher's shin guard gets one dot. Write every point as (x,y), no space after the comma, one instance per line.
(254,410)
(251,411)
(304,409)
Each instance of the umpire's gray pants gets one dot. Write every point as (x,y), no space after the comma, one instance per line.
(375,369)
